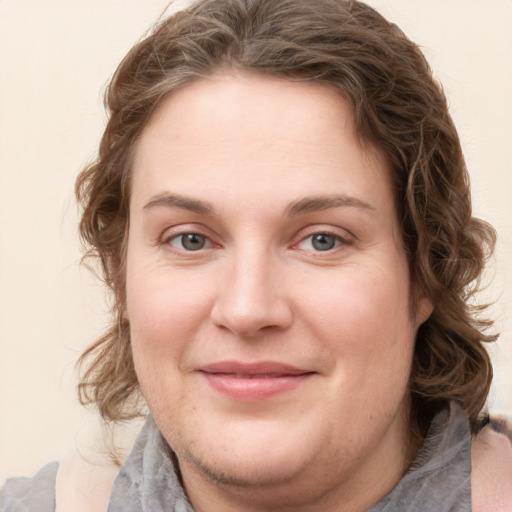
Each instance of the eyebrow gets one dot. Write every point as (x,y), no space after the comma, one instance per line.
(319,203)
(300,207)
(178,201)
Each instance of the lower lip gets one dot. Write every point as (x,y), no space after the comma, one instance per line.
(256,388)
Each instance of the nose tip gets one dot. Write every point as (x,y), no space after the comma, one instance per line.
(251,302)
(247,320)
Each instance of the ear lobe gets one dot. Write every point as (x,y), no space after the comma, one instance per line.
(424,309)
(124,313)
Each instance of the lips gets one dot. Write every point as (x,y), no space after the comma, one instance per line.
(251,382)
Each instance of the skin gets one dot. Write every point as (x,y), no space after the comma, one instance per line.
(491,472)
(273,163)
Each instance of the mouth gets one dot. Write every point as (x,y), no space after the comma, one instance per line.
(252,382)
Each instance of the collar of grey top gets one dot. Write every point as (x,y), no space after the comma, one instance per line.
(439,479)
(148,481)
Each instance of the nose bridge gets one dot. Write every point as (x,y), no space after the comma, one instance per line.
(250,297)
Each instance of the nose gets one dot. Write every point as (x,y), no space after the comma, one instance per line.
(251,298)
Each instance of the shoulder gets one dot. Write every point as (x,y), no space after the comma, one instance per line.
(84,485)
(31,494)
(491,472)
(87,474)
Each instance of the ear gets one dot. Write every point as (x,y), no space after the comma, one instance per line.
(424,307)
(124,307)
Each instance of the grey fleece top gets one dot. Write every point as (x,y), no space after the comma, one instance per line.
(438,481)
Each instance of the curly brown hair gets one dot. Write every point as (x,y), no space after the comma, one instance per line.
(399,108)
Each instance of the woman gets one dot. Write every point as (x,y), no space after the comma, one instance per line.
(281,208)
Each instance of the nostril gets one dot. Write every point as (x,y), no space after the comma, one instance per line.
(251,319)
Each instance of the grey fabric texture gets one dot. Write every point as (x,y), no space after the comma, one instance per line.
(438,481)
(147,481)
(31,494)
(440,478)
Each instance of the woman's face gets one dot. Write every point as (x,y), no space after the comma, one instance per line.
(268,292)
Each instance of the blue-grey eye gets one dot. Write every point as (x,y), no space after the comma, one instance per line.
(189,241)
(324,241)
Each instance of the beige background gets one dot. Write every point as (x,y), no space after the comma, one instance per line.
(55,59)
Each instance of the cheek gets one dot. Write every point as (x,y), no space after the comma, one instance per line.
(161,321)
(164,310)
(159,297)
(365,319)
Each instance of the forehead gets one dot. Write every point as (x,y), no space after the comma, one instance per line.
(251,107)
(255,133)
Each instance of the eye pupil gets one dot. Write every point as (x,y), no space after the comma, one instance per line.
(193,241)
(323,242)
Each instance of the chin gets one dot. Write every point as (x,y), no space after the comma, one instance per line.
(261,456)
(241,474)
